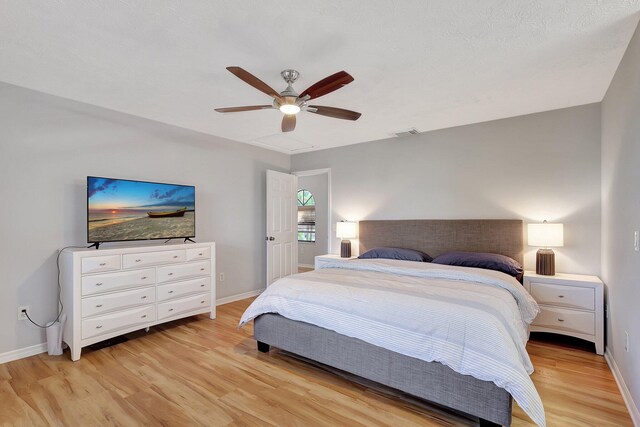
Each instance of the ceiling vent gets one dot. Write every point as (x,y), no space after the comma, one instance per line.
(410,131)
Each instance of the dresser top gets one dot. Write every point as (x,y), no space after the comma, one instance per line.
(125,248)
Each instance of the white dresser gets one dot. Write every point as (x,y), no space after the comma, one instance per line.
(570,304)
(109,292)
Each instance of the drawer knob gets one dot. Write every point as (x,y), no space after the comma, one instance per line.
(560,296)
(175,256)
(202,269)
(138,260)
(102,264)
(202,302)
(143,297)
(99,327)
(170,274)
(202,286)
(98,305)
(143,277)
(143,316)
(560,320)
(170,292)
(99,284)
(200,254)
(171,309)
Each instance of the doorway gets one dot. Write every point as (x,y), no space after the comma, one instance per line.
(314,215)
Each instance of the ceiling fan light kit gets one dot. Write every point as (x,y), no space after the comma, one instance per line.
(289,102)
(290,109)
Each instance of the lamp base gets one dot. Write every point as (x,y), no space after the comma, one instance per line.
(545,262)
(345,249)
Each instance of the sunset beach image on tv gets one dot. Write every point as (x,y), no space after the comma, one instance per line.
(119,210)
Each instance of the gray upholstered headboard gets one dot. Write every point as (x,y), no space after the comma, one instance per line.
(438,236)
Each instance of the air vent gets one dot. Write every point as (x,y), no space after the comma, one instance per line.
(410,131)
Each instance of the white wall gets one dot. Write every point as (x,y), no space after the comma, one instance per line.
(48,145)
(317,184)
(621,214)
(534,167)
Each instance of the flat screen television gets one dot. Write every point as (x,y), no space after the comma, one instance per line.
(122,210)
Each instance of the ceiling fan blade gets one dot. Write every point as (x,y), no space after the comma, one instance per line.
(288,122)
(328,85)
(247,108)
(336,113)
(252,80)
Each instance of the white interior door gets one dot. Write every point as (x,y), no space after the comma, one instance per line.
(282,225)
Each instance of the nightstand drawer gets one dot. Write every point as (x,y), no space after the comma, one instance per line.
(566,320)
(563,295)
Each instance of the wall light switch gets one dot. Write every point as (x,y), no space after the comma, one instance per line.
(626,341)
(636,241)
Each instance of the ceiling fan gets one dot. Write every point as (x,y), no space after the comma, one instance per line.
(290,102)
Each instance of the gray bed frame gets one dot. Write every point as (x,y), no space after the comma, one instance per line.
(432,381)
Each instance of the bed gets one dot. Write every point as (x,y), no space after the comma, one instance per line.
(401,365)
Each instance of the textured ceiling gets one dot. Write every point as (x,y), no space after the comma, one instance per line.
(424,64)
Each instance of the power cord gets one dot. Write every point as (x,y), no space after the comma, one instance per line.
(59,292)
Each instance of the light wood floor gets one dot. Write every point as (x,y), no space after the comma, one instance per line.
(204,372)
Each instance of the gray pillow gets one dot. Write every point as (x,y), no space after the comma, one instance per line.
(396,253)
(487,261)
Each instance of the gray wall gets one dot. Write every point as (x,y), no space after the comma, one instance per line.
(317,184)
(535,167)
(621,213)
(48,147)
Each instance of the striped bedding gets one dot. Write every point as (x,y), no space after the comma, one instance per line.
(474,321)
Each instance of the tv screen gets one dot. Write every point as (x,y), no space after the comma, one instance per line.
(121,209)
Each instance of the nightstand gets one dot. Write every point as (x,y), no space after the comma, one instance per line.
(325,259)
(570,304)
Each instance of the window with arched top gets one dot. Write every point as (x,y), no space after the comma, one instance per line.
(306,216)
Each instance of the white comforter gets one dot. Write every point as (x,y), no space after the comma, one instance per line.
(472,320)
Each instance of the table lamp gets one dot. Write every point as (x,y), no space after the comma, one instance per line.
(346,230)
(546,235)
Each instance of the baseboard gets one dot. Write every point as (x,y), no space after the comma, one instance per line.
(238,297)
(307,265)
(21,353)
(626,394)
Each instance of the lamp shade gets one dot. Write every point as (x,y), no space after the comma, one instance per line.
(546,235)
(346,230)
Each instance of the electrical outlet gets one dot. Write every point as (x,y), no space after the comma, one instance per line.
(21,315)
(222,277)
(626,341)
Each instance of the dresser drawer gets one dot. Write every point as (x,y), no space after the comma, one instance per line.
(144,259)
(120,320)
(563,295)
(185,271)
(114,281)
(183,306)
(117,301)
(97,264)
(180,289)
(198,253)
(566,320)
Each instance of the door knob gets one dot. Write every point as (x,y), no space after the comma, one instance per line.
(271,238)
